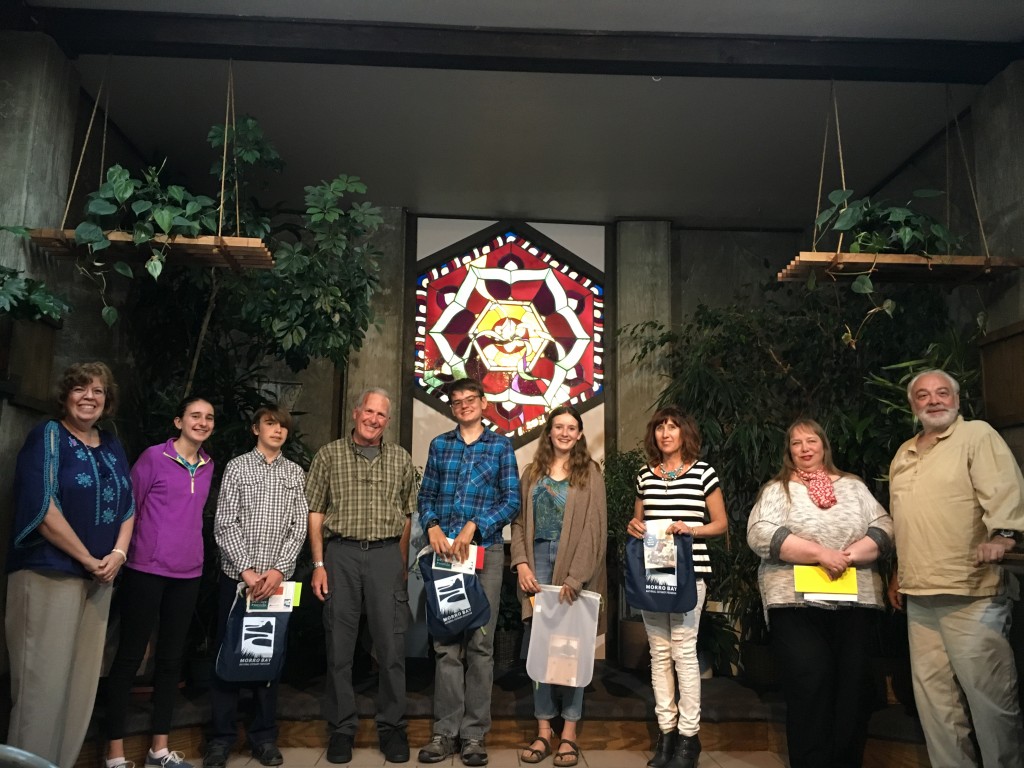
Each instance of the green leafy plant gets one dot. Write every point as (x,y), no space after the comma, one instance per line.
(718,638)
(876,226)
(315,302)
(748,369)
(620,471)
(23,298)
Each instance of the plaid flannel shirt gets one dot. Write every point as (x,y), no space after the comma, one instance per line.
(478,482)
(261,515)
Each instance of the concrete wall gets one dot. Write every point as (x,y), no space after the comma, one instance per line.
(713,267)
(643,291)
(380,363)
(38,99)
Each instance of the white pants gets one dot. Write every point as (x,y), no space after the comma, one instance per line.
(673,640)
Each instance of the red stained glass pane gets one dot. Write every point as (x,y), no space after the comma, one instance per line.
(522,322)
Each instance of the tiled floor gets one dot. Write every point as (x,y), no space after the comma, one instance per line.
(297,757)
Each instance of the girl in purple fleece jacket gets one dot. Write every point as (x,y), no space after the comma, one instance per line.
(160,581)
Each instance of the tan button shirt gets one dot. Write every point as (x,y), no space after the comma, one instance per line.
(945,501)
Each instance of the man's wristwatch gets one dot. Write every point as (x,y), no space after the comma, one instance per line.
(318,564)
(1007,533)
(433,523)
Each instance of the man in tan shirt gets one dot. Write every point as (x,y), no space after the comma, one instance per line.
(957,502)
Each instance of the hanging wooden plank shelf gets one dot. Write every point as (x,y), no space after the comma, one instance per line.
(210,251)
(897,267)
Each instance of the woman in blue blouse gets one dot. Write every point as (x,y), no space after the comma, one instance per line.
(72,524)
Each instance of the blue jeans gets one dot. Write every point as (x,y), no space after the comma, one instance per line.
(545,695)
(465,669)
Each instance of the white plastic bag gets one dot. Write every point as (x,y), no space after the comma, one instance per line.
(563,638)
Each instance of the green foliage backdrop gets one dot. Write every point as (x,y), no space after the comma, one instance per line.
(747,370)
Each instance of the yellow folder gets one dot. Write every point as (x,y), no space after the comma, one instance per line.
(814,579)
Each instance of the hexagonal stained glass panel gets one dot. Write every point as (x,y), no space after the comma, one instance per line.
(525,323)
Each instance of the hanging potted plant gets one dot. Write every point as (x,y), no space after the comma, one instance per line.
(896,240)
(30,315)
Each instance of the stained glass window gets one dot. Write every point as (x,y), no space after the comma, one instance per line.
(520,314)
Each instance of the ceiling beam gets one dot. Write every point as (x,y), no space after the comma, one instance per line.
(199,36)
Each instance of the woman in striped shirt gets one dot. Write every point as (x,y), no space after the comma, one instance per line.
(677,485)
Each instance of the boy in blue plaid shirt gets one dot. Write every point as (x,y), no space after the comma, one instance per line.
(469,493)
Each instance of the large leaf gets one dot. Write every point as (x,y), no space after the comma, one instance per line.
(142,232)
(164,217)
(824,216)
(97,206)
(109,315)
(155,265)
(88,233)
(848,219)
(862,285)
(839,196)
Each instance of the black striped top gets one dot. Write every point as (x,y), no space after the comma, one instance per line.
(684,498)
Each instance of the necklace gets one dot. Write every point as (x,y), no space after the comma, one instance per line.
(672,474)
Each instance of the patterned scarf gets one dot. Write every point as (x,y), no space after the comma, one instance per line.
(819,487)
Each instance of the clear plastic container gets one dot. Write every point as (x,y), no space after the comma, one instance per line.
(563,638)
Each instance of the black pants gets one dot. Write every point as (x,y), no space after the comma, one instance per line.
(262,729)
(823,656)
(146,599)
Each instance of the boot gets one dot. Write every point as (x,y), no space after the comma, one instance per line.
(687,753)
(664,751)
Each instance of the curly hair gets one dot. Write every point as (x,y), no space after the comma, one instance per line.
(81,375)
(579,456)
(672,414)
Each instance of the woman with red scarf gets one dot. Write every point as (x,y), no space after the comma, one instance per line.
(812,513)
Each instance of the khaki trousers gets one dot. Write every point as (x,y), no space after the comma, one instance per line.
(964,676)
(56,627)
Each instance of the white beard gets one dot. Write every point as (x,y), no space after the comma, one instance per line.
(939,420)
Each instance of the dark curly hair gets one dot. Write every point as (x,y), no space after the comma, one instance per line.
(80,375)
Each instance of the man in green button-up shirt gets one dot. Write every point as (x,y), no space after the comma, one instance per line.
(362,493)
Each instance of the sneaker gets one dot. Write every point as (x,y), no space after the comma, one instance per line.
(339,750)
(474,752)
(438,749)
(170,760)
(395,746)
(217,754)
(268,754)
(121,763)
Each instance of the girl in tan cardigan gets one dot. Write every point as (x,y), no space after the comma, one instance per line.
(560,538)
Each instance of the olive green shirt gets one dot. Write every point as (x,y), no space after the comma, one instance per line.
(947,500)
(362,498)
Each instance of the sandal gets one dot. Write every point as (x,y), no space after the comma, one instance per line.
(569,757)
(536,755)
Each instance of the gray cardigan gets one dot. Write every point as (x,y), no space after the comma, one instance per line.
(580,562)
